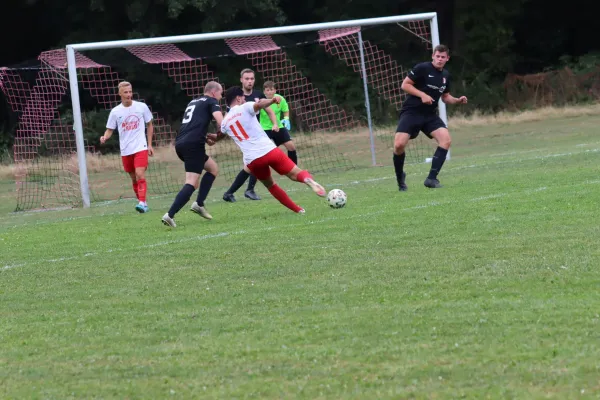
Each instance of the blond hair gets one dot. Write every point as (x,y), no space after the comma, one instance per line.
(269,85)
(122,85)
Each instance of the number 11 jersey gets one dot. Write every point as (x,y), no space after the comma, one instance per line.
(245,130)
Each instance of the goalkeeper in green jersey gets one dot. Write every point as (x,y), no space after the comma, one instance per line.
(282,113)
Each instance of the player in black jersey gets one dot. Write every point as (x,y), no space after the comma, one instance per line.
(190,147)
(247,78)
(425,84)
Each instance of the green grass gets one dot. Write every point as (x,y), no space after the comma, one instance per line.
(487,288)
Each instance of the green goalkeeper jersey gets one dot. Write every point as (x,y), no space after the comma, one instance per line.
(278,109)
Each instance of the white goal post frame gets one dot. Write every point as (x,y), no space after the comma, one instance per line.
(72,68)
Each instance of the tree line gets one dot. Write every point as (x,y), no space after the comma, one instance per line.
(488,40)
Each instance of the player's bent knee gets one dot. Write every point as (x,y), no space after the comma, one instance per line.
(399,149)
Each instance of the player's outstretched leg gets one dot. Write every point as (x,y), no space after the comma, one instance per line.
(442,136)
(261,168)
(304,176)
(281,195)
(400,141)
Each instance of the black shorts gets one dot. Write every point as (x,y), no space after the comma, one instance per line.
(279,137)
(193,156)
(413,123)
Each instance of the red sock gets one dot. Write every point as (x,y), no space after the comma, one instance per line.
(135,190)
(302,176)
(283,198)
(142,189)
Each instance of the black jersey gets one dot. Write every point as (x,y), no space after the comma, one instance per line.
(429,80)
(255,96)
(196,118)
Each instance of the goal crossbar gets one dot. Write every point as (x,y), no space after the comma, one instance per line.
(199,37)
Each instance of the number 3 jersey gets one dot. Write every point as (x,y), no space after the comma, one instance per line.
(196,118)
(245,130)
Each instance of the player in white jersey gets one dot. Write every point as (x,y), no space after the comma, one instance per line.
(259,153)
(129,118)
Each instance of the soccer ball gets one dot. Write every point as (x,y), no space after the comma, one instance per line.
(337,198)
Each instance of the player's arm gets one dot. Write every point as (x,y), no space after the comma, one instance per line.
(150,132)
(273,118)
(265,104)
(449,99)
(149,128)
(107,134)
(408,85)
(111,125)
(215,137)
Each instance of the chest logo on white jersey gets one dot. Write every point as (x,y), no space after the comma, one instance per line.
(131,123)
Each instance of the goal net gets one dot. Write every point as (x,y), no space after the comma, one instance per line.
(320,73)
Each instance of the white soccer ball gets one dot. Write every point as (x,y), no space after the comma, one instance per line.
(337,198)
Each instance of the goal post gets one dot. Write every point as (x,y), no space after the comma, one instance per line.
(341,79)
(72,68)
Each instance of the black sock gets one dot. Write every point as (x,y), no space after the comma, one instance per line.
(251,182)
(399,166)
(238,182)
(205,185)
(293,156)
(181,199)
(436,164)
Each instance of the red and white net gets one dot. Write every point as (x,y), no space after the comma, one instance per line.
(327,134)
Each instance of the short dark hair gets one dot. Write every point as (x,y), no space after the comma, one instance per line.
(246,71)
(232,93)
(441,48)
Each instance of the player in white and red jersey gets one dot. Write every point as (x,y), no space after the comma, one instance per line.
(259,152)
(129,118)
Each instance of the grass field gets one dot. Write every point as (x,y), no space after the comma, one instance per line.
(487,288)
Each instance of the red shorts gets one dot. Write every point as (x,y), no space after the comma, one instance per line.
(135,160)
(275,159)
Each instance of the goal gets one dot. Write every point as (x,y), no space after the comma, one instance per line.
(341,79)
